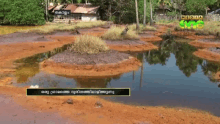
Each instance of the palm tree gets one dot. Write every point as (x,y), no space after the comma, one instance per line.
(137,19)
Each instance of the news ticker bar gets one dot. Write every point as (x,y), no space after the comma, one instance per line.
(90,91)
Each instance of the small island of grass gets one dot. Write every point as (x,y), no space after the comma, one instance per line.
(118,39)
(90,56)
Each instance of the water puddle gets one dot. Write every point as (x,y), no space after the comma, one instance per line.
(170,76)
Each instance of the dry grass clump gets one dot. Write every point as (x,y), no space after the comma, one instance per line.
(90,24)
(168,22)
(149,28)
(89,44)
(142,28)
(114,33)
(51,27)
(210,28)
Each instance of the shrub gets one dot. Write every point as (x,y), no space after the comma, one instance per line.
(89,44)
(114,33)
(25,12)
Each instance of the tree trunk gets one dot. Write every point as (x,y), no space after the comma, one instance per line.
(151,13)
(144,22)
(46,8)
(137,19)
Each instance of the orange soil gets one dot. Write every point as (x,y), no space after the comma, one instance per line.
(204,44)
(184,33)
(151,39)
(133,48)
(197,37)
(208,55)
(84,110)
(11,52)
(101,70)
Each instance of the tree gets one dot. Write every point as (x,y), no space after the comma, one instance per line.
(137,19)
(145,6)
(200,8)
(26,12)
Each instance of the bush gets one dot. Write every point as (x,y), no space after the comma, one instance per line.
(89,44)
(114,33)
(25,12)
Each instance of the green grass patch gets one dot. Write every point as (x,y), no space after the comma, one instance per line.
(114,33)
(89,44)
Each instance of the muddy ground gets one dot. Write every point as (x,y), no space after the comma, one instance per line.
(12,113)
(72,57)
(92,70)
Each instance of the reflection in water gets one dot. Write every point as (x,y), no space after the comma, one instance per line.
(211,70)
(92,82)
(25,71)
(177,78)
(183,52)
(30,65)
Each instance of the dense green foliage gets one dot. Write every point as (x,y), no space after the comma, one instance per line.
(22,12)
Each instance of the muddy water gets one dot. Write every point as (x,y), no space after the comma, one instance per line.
(170,76)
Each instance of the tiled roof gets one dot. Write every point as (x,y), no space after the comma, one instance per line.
(89,9)
(58,7)
(51,7)
(71,7)
(78,8)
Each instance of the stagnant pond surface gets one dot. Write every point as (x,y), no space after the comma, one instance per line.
(170,76)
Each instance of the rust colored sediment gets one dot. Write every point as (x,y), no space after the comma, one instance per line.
(133,48)
(11,52)
(97,34)
(208,55)
(151,39)
(84,110)
(201,44)
(197,37)
(90,70)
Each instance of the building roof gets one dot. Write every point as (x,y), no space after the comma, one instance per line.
(51,7)
(86,9)
(71,7)
(58,7)
(77,8)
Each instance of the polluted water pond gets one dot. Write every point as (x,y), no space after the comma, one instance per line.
(169,76)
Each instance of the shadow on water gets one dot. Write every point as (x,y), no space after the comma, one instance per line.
(171,75)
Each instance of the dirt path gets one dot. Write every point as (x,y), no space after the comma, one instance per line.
(12,113)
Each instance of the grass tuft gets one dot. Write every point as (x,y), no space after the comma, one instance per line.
(114,33)
(50,27)
(89,44)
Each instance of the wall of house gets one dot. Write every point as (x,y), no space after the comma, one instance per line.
(86,17)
